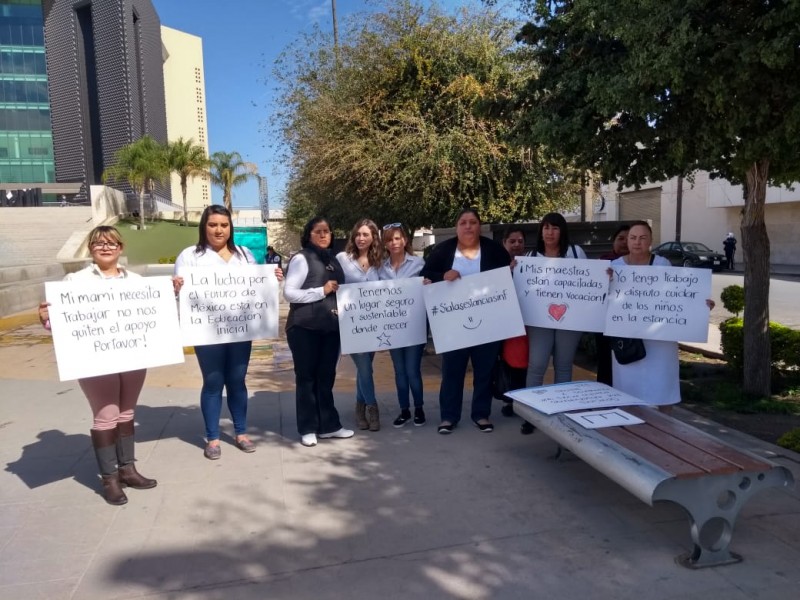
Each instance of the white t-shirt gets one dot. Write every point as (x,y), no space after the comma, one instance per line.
(191,258)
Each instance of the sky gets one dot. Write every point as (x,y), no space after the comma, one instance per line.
(241,40)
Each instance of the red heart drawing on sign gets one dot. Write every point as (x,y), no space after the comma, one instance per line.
(557,311)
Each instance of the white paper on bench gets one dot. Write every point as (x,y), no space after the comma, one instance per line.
(561,397)
(596,419)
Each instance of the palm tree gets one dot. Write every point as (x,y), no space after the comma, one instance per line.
(139,164)
(187,160)
(227,171)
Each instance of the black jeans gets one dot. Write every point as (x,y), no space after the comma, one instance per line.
(315,355)
(454,369)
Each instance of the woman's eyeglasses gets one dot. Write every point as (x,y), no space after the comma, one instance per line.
(104,245)
(392,226)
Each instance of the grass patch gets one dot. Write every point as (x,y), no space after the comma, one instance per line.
(161,239)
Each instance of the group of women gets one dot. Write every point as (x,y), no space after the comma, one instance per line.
(313,277)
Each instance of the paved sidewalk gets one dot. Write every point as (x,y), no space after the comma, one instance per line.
(401,513)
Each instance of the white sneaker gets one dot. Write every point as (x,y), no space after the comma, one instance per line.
(309,439)
(341,433)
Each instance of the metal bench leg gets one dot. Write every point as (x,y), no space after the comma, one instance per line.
(713,504)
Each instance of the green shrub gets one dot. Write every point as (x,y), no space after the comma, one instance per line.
(784,344)
(167,260)
(790,440)
(733,299)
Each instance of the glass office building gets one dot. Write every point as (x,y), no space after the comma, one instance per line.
(26,140)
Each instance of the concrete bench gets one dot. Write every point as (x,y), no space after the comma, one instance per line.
(665,459)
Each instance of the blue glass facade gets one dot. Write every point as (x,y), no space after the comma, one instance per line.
(26,139)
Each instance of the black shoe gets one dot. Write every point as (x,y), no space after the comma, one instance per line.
(507,410)
(484,427)
(419,416)
(526,428)
(446,429)
(405,417)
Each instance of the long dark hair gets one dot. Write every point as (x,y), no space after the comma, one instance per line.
(556,220)
(469,209)
(305,238)
(215,209)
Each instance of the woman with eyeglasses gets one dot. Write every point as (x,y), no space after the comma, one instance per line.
(312,330)
(655,379)
(361,260)
(223,366)
(469,253)
(402,264)
(112,397)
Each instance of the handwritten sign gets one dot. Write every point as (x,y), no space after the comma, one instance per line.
(609,417)
(101,327)
(473,310)
(579,395)
(228,304)
(659,303)
(562,294)
(381,315)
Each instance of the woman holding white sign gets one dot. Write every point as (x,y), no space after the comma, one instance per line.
(312,331)
(112,397)
(361,260)
(543,342)
(402,264)
(469,253)
(655,379)
(222,365)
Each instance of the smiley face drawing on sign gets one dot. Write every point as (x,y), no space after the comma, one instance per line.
(472,324)
(557,311)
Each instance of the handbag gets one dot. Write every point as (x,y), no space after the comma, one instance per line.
(627,350)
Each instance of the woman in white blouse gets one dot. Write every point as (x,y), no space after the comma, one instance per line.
(222,365)
(361,260)
(402,264)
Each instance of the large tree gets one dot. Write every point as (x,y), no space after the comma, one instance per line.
(408,122)
(229,170)
(139,164)
(644,90)
(188,160)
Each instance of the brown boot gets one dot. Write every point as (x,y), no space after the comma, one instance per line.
(361,416)
(126,459)
(112,490)
(105,450)
(373,417)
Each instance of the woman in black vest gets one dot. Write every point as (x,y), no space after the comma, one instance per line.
(312,331)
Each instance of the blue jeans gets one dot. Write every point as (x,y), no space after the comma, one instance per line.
(408,374)
(365,386)
(224,365)
(544,342)
(454,369)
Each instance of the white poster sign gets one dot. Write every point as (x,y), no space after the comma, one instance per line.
(659,303)
(473,310)
(579,395)
(608,417)
(381,315)
(228,304)
(562,294)
(112,326)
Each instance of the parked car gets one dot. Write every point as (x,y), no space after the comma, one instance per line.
(690,254)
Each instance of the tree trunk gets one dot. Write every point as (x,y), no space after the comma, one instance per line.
(185,209)
(141,208)
(226,199)
(755,250)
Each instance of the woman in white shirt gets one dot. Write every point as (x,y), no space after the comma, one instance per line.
(402,264)
(112,397)
(222,365)
(543,342)
(361,260)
